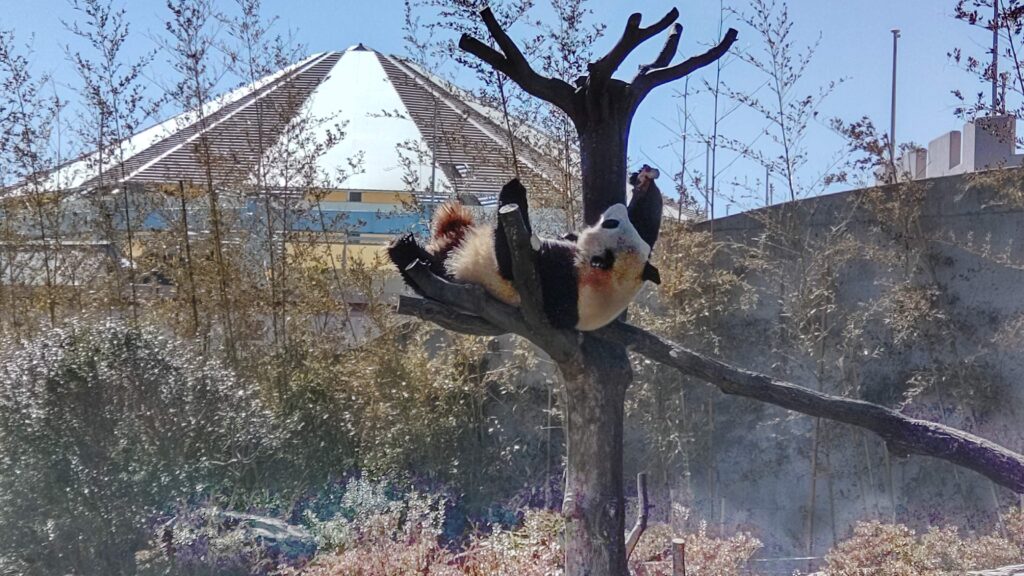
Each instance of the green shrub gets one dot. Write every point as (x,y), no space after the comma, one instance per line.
(101,427)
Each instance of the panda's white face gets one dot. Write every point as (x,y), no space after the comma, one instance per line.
(612,232)
(610,261)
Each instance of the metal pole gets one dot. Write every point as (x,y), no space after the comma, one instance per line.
(686,127)
(995,57)
(892,113)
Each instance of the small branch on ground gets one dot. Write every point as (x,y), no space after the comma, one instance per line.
(643,507)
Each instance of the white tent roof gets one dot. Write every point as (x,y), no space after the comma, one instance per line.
(400,127)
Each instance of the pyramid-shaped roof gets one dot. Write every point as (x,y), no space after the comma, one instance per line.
(401,126)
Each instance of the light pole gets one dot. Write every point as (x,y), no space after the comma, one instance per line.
(996,104)
(892,112)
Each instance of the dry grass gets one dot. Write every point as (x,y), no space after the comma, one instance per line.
(896,550)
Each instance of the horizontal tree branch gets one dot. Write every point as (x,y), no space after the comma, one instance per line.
(902,434)
(511,62)
(445,317)
(479,314)
(650,79)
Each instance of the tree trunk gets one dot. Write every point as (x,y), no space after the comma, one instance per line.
(603,165)
(595,390)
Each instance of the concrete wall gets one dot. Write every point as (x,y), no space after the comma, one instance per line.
(957,239)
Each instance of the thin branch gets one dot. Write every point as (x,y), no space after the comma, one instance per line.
(903,435)
(632,36)
(646,81)
(514,65)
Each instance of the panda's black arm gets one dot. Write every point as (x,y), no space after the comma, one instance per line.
(512,193)
(404,252)
(645,209)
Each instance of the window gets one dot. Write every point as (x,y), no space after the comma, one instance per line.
(355,196)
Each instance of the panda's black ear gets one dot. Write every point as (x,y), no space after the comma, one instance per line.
(651,274)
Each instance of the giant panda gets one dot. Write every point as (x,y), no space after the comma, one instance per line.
(585,283)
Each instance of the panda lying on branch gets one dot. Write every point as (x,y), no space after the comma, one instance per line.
(586,281)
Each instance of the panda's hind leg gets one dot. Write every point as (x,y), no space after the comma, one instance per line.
(404,252)
(512,193)
(515,193)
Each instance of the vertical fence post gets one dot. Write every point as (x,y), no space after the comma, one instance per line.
(678,557)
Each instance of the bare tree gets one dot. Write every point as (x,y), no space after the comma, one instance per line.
(596,371)
(115,103)
(192,30)
(29,121)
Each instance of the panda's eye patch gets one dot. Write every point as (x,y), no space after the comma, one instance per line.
(611,223)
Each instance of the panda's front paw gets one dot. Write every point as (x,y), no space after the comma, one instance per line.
(403,251)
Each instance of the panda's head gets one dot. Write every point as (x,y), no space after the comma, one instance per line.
(613,244)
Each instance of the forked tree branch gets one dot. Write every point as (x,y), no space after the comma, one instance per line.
(590,97)
(478,313)
(632,37)
(649,79)
(668,51)
(511,62)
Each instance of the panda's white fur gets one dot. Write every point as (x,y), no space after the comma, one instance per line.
(605,294)
(474,261)
(602,293)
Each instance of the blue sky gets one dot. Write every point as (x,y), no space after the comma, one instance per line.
(856,44)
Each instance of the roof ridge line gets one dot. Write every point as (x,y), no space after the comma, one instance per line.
(253,97)
(446,96)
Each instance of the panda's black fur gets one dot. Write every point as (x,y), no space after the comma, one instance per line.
(646,204)
(464,251)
